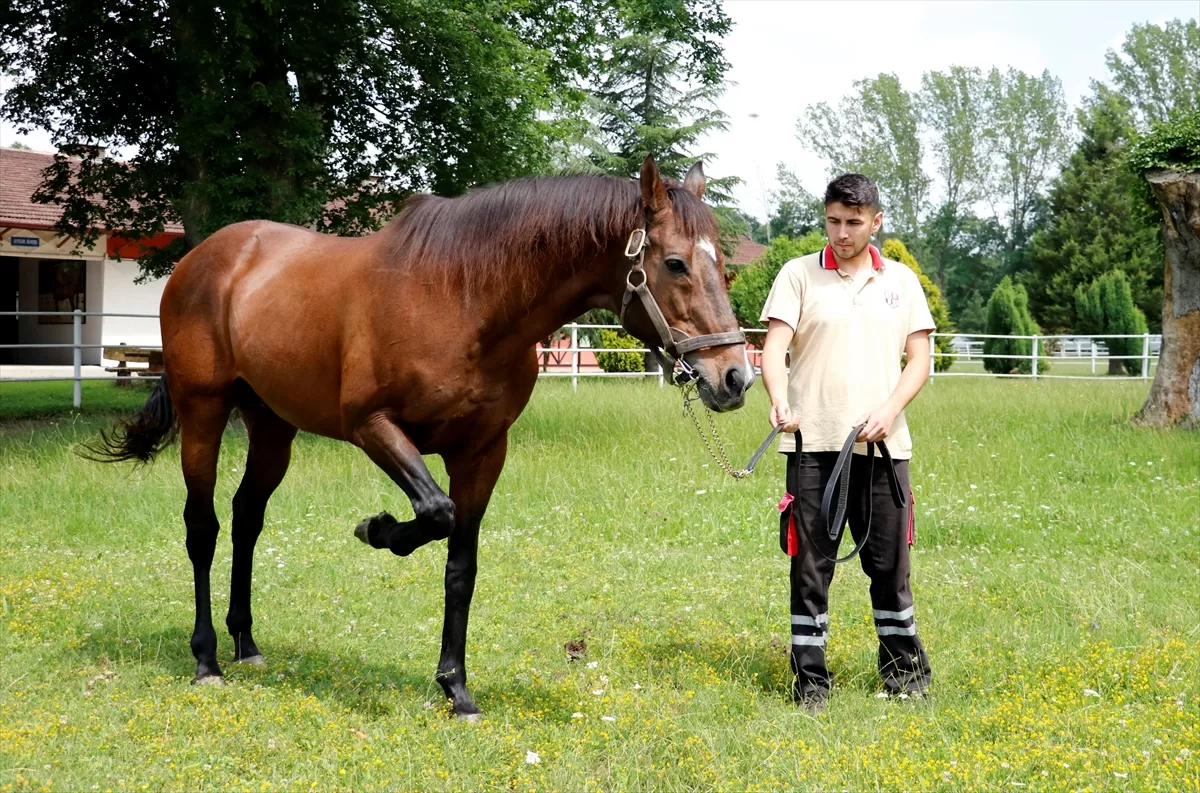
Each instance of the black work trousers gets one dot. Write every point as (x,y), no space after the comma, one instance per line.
(903,664)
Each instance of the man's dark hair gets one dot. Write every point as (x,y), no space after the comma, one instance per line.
(853,190)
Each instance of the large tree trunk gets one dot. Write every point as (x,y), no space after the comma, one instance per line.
(1175,396)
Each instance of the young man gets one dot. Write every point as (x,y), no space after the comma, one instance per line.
(846,315)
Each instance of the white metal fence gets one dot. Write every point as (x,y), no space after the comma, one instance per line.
(1081,354)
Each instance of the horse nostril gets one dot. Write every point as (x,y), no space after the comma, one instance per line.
(735,380)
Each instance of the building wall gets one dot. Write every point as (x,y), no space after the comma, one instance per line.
(110,289)
(123,296)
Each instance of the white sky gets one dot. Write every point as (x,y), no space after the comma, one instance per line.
(786,55)
(789,55)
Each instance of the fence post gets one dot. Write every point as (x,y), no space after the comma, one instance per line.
(932,350)
(77,333)
(574,356)
(1092,344)
(1034,357)
(1145,356)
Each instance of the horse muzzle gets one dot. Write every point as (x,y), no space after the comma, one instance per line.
(728,390)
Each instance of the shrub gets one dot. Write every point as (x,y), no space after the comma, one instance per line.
(1106,306)
(748,293)
(619,361)
(1008,315)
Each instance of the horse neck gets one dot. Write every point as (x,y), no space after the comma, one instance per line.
(566,288)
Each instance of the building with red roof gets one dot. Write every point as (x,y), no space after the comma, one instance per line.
(43,271)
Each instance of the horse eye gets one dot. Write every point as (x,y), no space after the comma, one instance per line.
(677,266)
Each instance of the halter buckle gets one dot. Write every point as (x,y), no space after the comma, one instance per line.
(636,243)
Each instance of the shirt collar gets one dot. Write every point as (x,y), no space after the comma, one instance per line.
(829,261)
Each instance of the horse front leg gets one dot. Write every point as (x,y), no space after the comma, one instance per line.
(389,448)
(472,479)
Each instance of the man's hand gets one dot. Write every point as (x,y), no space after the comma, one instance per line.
(781,413)
(877,423)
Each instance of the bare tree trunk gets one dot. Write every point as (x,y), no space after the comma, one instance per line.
(1175,396)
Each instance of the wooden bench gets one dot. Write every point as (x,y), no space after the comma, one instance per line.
(124,355)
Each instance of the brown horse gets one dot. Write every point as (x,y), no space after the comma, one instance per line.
(302,331)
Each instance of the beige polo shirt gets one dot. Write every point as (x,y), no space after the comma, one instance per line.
(845,353)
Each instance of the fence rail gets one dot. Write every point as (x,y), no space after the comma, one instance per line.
(963,349)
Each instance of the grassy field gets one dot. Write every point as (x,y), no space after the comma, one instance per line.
(1057,579)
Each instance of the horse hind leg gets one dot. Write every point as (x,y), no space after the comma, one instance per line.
(202,421)
(270,440)
(389,448)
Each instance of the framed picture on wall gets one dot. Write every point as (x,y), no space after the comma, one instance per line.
(62,286)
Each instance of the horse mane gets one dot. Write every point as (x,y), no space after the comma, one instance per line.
(501,236)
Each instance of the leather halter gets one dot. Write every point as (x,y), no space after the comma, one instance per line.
(675,343)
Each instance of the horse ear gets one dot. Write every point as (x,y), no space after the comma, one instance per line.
(654,192)
(694,181)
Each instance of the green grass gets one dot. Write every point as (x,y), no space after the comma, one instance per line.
(55,398)
(1057,581)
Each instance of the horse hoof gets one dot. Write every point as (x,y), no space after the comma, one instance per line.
(470,718)
(209,680)
(381,523)
(360,531)
(252,660)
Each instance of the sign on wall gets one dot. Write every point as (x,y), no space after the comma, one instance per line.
(48,244)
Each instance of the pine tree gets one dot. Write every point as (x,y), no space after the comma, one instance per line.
(645,104)
(1100,219)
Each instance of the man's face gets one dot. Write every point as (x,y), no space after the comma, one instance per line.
(850,228)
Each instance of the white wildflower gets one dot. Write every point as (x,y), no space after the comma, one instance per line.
(532,757)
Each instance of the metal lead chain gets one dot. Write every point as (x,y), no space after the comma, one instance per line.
(718,455)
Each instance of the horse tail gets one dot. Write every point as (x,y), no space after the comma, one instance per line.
(142,437)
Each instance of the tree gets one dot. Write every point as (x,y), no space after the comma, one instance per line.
(324,115)
(953,106)
(1158,70)
(973,257)
(797,211)
(1169,159)
(1106,308)
(1098,220)
(1027,138)
(875,131)
(895,250)
(645,104)
(748,293)
(973,317)
(1008,315)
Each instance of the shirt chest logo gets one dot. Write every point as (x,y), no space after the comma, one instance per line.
(892,299)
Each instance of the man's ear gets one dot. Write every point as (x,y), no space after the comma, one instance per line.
(877,223)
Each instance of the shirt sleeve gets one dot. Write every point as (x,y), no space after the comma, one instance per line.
(919,317)
(786,297)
